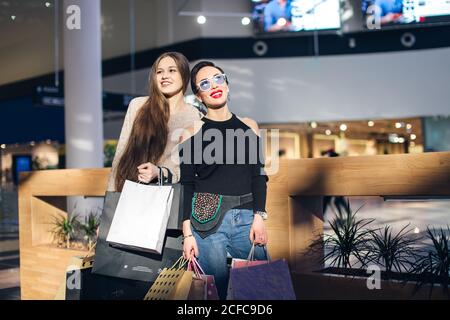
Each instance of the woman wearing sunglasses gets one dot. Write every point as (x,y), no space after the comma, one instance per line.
(147,137)
(224,181)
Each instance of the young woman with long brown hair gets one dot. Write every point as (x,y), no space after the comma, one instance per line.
(148,135)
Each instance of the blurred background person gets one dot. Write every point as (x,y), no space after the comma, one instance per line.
(277,15)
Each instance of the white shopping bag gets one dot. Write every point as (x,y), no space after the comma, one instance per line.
(141,216)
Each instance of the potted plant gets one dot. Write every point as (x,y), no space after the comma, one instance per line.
(89,229)
(357,256)
(433,265)
(393,252)
(65,229)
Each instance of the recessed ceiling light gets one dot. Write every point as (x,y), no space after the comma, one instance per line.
(201,20)
(245,21)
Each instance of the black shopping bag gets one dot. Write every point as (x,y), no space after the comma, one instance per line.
(132,264)
(82,284)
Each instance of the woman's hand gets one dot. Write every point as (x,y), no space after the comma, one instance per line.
(190,249)
(258,232)
(147,172)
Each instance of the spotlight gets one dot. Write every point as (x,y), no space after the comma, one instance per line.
(343,127)
(313,124)
(245,21)
(328,132)
(413,136)
(201,20)
(398,125)
(370,123)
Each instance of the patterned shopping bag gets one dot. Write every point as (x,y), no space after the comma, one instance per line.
(172,283)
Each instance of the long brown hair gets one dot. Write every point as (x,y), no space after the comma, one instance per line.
(148,137)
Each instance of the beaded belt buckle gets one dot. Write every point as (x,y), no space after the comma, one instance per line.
(205,206)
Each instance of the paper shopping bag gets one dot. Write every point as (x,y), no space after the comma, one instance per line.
(128,263)
(172,283)
(260,280)
(82,284)
(141,217)
(203,286)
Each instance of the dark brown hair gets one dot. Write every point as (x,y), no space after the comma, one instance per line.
(148,137)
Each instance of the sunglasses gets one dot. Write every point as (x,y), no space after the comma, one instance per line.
(206,84)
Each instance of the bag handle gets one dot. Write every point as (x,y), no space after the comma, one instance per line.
(193,265)
(179,264)
(251,255)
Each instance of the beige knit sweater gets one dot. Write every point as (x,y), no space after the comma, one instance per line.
(181,120)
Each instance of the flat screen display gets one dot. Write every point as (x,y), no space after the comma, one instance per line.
(400,12)
(272,16)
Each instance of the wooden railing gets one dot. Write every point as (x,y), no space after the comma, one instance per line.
(294,203)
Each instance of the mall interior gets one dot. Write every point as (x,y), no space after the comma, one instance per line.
(332,79)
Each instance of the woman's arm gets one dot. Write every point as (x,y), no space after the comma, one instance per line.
(258,232)
(127,126)
(187,179)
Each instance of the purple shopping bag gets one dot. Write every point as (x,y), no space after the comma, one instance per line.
(266,281)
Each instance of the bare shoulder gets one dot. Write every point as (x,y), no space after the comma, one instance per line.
(251,123)
(191,131)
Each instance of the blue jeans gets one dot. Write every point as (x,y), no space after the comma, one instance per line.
(233,237)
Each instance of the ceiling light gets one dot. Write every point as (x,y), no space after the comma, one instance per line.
(328,132)
(245,21)
(343,127)
(398,125)
(201,20)
(413,136)
(408,126)
(313,124)
(370,123)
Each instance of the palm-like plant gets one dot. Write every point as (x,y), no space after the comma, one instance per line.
(65,228)
(435,265)
(90,228)
(392,251)
(349,239)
